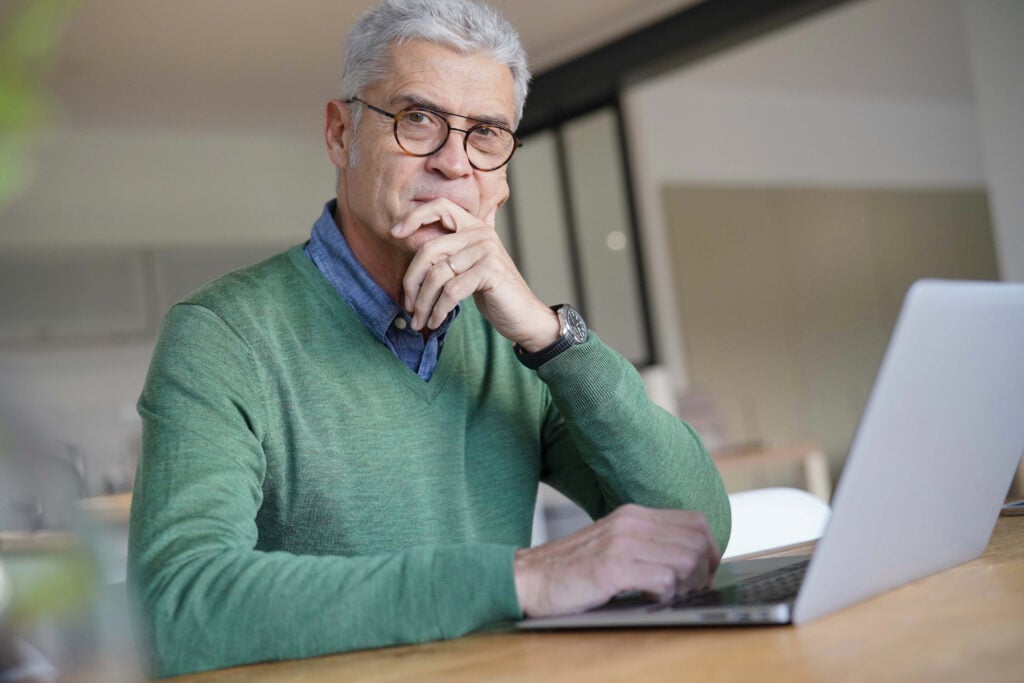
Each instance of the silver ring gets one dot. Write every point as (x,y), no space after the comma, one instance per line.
(449,262)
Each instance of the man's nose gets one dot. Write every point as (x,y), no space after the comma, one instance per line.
(452,159)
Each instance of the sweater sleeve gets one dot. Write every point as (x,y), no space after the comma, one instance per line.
(207,596)
(607,444)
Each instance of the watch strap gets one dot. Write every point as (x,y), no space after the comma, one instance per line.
(567,339)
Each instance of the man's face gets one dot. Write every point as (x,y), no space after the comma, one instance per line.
(385,183)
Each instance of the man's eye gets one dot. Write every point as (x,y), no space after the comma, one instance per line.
(419,118)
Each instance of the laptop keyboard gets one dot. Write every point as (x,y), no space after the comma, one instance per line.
(774,586)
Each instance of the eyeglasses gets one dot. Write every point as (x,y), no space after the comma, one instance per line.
(421,132)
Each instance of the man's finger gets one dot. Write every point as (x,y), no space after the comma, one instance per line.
(443,211)
(448,247)
(428,293)
(444,284)
(674,538)
(425,263)
(687,519)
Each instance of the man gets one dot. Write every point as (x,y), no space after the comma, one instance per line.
(342,444)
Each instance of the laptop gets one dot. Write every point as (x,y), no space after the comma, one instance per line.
(925,478)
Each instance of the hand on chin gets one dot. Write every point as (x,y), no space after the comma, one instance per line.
(422,235)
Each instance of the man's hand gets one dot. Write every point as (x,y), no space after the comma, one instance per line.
(471,261)
(660,552)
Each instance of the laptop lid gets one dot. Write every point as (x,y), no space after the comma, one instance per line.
(936,448)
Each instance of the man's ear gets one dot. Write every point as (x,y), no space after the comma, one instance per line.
(337,131)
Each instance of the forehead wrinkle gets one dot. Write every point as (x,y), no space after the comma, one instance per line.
(405,100)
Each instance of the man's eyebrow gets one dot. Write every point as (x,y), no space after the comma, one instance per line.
(403,101)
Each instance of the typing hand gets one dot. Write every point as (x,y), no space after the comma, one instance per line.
(662,553)
(471,260)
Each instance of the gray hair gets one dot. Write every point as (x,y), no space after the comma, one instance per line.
(462,25)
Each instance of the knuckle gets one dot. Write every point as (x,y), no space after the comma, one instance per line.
(450,291)
(662,581)
(686,564)
(668,581)
(621,524)
(627,514)
(697,519)
(434,276)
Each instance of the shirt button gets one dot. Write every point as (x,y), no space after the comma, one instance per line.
(400,323)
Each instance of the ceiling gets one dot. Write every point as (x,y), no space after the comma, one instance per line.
(264,64)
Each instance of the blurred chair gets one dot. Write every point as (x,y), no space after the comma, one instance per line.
(760,461)
(769,518)
(754,464)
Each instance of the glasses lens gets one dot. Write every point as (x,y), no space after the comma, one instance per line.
(419,131)
(489,146)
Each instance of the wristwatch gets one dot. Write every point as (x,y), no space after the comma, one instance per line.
(572,331)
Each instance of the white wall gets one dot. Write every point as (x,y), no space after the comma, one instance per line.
(875,93)
(750,137)
(96,187)
(996,39)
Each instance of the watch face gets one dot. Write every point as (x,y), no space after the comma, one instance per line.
(575,328)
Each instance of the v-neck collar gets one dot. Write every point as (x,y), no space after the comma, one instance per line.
(346,320)
(331,255)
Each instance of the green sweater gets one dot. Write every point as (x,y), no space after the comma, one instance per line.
(301,491)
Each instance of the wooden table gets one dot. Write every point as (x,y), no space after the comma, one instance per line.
(965,624)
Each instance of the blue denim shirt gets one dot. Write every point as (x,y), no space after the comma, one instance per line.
(330,253)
